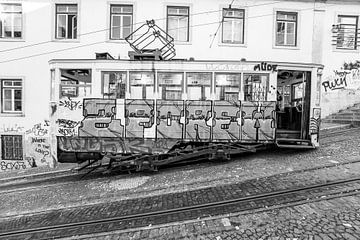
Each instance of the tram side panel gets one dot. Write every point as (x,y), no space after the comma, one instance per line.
(259,121)
(227,120)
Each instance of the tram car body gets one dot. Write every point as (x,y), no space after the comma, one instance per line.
(157,109)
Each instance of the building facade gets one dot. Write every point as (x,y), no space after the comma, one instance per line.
(34,32)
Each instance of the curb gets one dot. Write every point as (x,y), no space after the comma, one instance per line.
(51,174)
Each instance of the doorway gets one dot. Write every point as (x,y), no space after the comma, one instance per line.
(293,104)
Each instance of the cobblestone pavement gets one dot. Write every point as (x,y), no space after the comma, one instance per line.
(332,219)
(334,150)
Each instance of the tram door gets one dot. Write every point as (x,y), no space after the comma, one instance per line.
(293,104)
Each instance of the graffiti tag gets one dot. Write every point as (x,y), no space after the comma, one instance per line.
(263,66)
(66,123)
(37,130)
(70,104)
(338,82)
(14,128)
(12,165)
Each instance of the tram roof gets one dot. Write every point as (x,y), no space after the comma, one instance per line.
(184,62)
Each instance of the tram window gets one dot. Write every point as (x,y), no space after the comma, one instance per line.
(227,86)
(75,82)
(170,85)
(298,90)
(198,86)
(255,87)
(142,85)
(113,84)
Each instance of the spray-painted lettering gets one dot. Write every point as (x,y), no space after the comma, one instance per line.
(12,165)
(70,104)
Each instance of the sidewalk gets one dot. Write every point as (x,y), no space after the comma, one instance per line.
(63,169)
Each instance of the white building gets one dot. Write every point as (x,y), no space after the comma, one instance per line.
(32,32)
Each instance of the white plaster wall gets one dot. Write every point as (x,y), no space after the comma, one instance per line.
(334,100)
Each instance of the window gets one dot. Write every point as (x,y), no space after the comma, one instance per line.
(178,23)
(286,29)
(66,21)
(233,25)
(10,20)
(11,147)
(347,32)
(255,87)
(170,85)
(227,86)
(198,86)
(121,20)
(114,84)
(11,95)
(75,83)
(142,85)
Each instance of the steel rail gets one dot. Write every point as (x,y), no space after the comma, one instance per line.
(280,193)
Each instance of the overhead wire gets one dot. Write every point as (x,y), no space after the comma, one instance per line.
(95,43)
(107,29)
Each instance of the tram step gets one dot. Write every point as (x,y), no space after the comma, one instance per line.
(295,146)
(291,140)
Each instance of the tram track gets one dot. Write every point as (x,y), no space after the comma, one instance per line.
(145,218)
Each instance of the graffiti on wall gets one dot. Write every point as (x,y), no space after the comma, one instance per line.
(12,165)
(11,129)
(347,77)
(37,144)
(70,104)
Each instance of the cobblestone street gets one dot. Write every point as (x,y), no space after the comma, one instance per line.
(306,221)
(324,220)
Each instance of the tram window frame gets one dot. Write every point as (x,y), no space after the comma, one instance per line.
(120,85)
(293,91)
(163,87)
(222,95)
(251,94)
(71,88)
(144,85)
(203,87)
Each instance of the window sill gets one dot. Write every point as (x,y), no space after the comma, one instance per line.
(343,50)
(121,41)
(12,115)
(287,47)
(67,40)
(232,45)
(12,40)
(182,43)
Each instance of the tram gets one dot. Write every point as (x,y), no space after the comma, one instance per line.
(146,113)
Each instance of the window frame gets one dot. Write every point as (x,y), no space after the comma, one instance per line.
(21,148)
(56,33)
(203,96)
(238,85)
(178,15)
(223,17)
(357,29)
(296,40)
(111,5)
(13,88)
(103,73)
(144,85)
(2,29)
(76,86)
(244,86)
(162,85)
